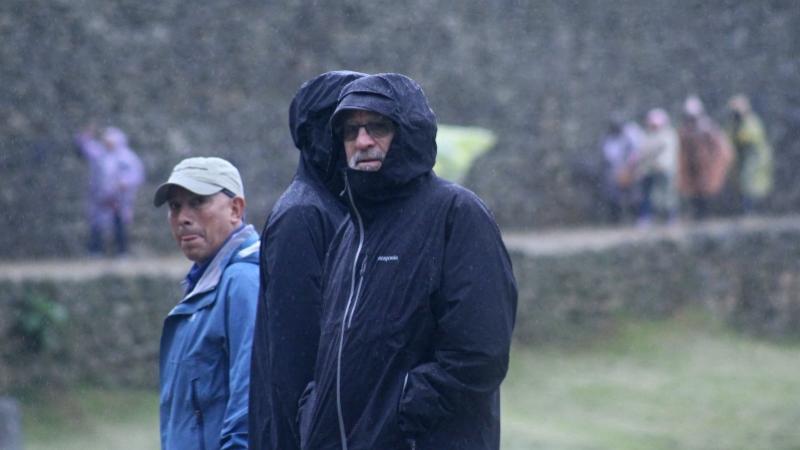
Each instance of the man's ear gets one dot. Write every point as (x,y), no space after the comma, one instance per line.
(237,208)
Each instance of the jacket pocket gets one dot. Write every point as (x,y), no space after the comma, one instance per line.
(198,415)
(410,441)
(207,393)
(402,393)
(208,378)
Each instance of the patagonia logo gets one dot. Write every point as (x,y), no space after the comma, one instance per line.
(388,258)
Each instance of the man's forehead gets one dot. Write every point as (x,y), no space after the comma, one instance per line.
(359,115)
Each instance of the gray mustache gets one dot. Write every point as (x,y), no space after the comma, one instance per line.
(371,154)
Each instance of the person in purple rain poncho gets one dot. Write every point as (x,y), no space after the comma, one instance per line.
(115,174)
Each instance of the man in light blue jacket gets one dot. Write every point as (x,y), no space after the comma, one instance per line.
(207,337)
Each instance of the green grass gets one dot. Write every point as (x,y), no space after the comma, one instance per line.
(684,383)
(91,419)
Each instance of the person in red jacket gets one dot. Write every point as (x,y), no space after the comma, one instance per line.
(704,158)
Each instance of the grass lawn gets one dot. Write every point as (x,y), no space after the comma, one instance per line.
(685,383)
(91,419)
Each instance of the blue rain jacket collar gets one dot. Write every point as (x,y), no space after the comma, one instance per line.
(230,252)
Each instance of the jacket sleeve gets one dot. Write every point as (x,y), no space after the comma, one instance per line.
(475,310)
(241,300)
(295,250)
(87,146)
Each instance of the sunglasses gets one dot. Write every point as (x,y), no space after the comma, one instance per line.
(377,130)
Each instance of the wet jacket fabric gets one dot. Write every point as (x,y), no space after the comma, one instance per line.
(419,300)
(294,241)
(205,352)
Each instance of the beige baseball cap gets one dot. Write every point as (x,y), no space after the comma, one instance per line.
(202,176)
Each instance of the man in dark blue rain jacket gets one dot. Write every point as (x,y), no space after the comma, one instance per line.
(206,341)
(419,298)
(293,245)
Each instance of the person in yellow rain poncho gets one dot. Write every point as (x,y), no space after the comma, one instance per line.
(458,147)
(753,154)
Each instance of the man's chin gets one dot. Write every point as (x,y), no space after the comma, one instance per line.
(193,253)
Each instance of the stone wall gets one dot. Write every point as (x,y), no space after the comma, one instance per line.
(106,330)
(746,277)
(187,79)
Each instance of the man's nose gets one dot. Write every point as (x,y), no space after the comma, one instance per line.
(184,216)
(364,139)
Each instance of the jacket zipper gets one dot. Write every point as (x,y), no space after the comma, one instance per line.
(352,300)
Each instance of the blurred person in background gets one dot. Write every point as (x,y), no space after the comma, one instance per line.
(293,245)
(753,154)
(656,168)
(115,174)
(620,146)
(705,156)
(207,337)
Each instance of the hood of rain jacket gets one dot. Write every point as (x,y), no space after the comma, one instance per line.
(309,122)
(412,152)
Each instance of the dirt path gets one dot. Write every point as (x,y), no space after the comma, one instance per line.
(555,242)
(542,242)
(88,268)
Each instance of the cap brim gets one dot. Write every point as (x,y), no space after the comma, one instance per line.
(191,185)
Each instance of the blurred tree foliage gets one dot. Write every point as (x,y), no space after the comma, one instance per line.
(39,321)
